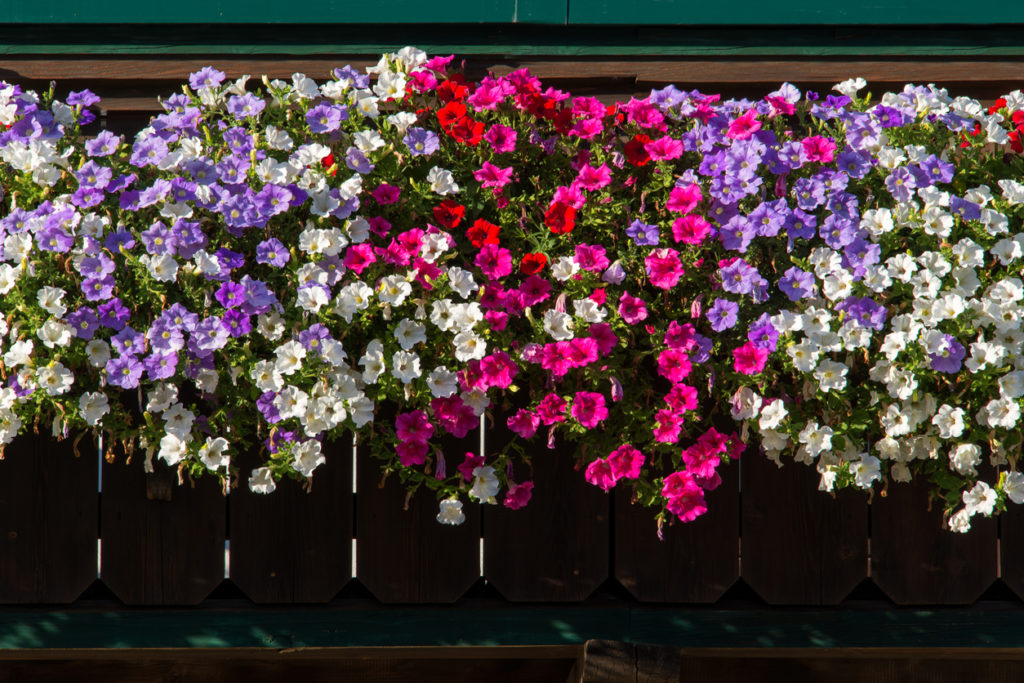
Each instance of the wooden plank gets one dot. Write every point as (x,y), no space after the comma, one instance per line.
(1011,548)
(852,665)
(162,543)
(696,562)
(251,665)
(916,560)
(683,70)
(294,545)
(403,554)
(48,519)
(609,661)
(800,546)
(556,548)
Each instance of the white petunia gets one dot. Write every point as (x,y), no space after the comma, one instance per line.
(55,379)
(161,397)
(485,484)
(213,453)
(307,457)
(450,512)
(469,346)
(261,480)
(405,366)
(442,382)
(172,449)
(964,457)
(865,471)
(980,500)
(92,406)
(442,181)
(289,357)
(558,325)
(409,333)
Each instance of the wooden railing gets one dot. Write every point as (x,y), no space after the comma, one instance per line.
(66,520)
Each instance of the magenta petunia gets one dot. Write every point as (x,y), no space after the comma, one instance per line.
(749,359)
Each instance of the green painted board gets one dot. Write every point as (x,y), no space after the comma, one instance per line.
(368,624)
(523,39)
(273,11)
(757,12)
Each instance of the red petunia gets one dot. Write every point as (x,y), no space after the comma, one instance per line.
(482,232)
(635,150)
(452,90)
(467,131)
(449,213)
(450,114)
(328,163)
(533,263)
(560,218)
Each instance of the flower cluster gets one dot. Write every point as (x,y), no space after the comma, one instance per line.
(402,254)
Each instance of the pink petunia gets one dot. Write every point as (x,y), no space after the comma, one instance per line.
(684,199)
(626,462)
(589,408)
(690,229)
(749,359)
(524,423)
(591,178)
(490,175)
(551,409)
(664,268)
(685,496)
(494,261)
(358,258)
(602,334)
(599,473)
(518,495)
(742,127)
(681,397)
(819,148)
(632,309)
(674,365)
(501,138)
(665,148)
(413,426)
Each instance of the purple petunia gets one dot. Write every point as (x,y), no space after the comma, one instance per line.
(723,314)
(642,234)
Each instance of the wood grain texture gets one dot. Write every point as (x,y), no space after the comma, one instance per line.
(403,555)
(556,548)
(48,519)
(253,665)
(800,546)
(916,560)
(157,551)
(294,545)
(696,562)
(1011,548)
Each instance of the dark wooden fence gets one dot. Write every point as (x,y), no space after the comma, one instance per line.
(66,520)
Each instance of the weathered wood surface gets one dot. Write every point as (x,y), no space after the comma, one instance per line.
(255,665)
(162,543)
(916,560)
(48,520)
(695,562)
(402,553)
(800,546)
(556,548)
(294,545)
(609,661)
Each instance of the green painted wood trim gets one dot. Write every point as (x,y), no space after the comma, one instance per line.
(371,625)
(789,12)
(513,40)
(273,11)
